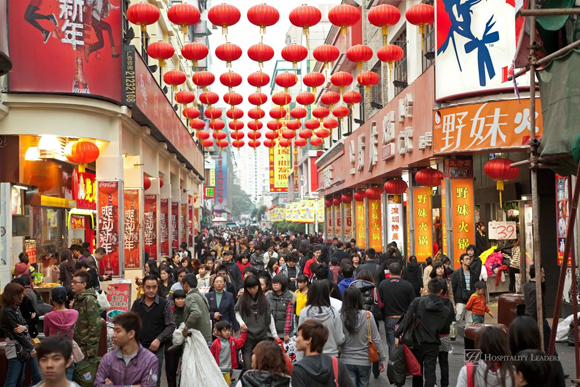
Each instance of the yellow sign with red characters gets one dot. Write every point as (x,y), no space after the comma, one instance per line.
(423,223)
(463,219)
(375,225)
(360,225)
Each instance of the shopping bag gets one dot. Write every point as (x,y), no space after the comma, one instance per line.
(289,364)
(103,301)
(290,349)
(85,372)
(396,368)
(198,366)
(411,363)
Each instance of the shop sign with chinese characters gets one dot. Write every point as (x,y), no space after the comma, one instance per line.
(221,182)
(175,225)
(164,226)
(563,188)
(208,192)
(375,225)
(84,186)
(347,222)
(360,225)
(279,168)
(132,226)
(462,208)
(118,295)
(150,226)
(183,229)
(423,223)
(394,214)
(108,226)
(337,222)
(484,126)
(329,228)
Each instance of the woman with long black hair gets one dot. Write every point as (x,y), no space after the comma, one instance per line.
(254,313)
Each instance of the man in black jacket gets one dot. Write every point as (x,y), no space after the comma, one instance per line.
(371,264)
(433,317)
(233,269)
(463,282)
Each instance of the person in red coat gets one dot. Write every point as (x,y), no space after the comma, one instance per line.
(225,346)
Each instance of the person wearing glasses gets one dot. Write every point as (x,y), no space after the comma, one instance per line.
(463,283)
(88,328)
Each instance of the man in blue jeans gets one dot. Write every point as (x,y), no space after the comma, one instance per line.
(396,294)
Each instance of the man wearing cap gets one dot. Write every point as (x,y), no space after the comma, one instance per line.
(233,269)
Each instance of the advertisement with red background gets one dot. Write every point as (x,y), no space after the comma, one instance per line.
(190,219)
(84,187)
(150,228)
(119,296)
(175,225)
(131,238)
(164,226)
(108,222)
(563,189)
(66,47)
(183,224)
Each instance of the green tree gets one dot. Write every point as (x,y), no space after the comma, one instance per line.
(241,203)
(261,211)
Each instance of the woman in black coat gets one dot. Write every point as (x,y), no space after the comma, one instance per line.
(226,308)
(413,275)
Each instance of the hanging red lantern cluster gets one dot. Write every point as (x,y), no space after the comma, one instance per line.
(429,177)
(160,51)
(183,15)
(305,17)
(501,171)
(195,52)
(384,16)
(224,16)
(330,124)
(263,15)
(143,14)
(81,152)
(395,187)
(374,193)
(322,133)
(293,125)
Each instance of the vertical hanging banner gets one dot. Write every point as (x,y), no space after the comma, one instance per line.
(175,226)
(348,222)
(221,169)
(562,215)
(444,220)
(375,225)
(279,168)
(423,223)
(183,226)
(108,226)
(84,189)
(394,214)
(463,219)
(131,237)
(360,225)
(190,219)
(337,222)
(164,226)
(329,229)
(150,226)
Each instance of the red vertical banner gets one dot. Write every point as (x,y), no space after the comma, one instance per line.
(375,225)
(108,226)
(164,226)
(563,189)
(190,219)
(175,225)
(131,237)
(423,223)
(182,222)
(150,226)
(463,220)
(360,225)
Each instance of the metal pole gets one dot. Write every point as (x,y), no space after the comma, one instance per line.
(534,176)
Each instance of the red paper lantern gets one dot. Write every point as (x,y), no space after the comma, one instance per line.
(146,182)
(305,98)
(326,53)
(228,52)
(288,134)
(312,124)
(341,79)
(237,135)
(231,79)
(238,143)
(384,16)
(271,135)
(298,112)
(236,125)
(351,97)
(313,80)
(213,113)
(235,113)
(284,143)
(294,53)
(269,143)
(81,152)
(300,142)
(337,201)
(368,79)
(191,113)
(359,196)
(184,97)
(143,14)
(359,54)
(395,187)
(330,98)
(263,15)
(160,51)
(160,183)
(219,135)
(390,54)
(209,98)
(373,193)
(258,79)
(429,177)
(260,53)
(328,202)
(293,124)
(254,144)
(224,15)
(222,143)
(255,125)
(277,113)
(174,78)
(322,133)
(346,198)
(207,143)
(344,16)
(340,112)
(330,123)
(254,135)
(233,98)
(257,98)
(281,99)
(203,79)
(320,112)
(305,133)
(315,141)
(195,52)
(217,124)
(305,17)
(202,135)
(421,15)
(183,15)
(286,80)
(500,171)
(274,125)
(256,113)
(197,124)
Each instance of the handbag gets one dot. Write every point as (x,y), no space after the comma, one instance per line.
(85,372)
(375,309)
(410,333)
(411,362)
(77,353)
(103,301)
(22,353)
(373,351)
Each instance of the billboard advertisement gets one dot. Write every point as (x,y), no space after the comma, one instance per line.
(221,173)
(279,168)
(132,229)
(66,46)
(150,226)
(164,226)
(108,226)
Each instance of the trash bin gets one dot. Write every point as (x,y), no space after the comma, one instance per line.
(472,330)
(509,307)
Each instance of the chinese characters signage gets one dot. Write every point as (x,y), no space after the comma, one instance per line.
(221,172)
(132,229)
(394,214)
(108,222)
(84,186)
(337,222)
(118,296)
(209,192)
(150,226)
(375,225)
(59,46)
(563,190)
(182,227)
(279,168)
(175,225)
(491,125)
(347,222)
(462,216)
(360,225)
(164,226)
(329,228)
(423,232)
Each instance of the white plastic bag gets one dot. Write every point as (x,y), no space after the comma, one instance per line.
(564,328)
(178,338)
(198,366)
(102,299)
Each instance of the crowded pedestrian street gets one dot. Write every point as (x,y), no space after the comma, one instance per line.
(328,193)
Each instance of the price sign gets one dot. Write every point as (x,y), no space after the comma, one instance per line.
(502,230)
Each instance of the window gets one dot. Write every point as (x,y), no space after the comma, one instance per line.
(428,56)
(377,90)
(400,70)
